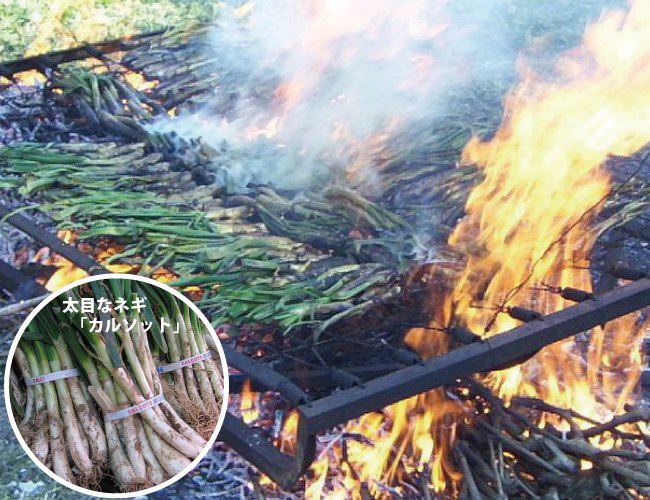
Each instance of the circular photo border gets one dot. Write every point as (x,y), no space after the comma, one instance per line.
(164,484)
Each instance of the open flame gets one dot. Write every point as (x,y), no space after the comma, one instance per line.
(313,61)
(528,223)
(248,403)
(139,82)
(320,56)
(66,272)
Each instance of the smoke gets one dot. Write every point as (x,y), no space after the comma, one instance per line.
(315,88)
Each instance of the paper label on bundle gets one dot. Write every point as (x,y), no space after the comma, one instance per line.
(51,377)
(133,410)
(184,362)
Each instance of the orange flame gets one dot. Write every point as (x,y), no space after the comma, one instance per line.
(249,403)
(67,272)
(138,81)
(543,170)
(412,436)
(338,32)
(30,78)
(526,223)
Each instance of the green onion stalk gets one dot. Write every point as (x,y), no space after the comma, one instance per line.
(250,272)
(65,421)
(58,439)
(197,389)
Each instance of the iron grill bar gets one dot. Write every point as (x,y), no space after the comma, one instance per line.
(487,355)
(53,59)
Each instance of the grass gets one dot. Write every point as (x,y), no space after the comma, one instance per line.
(29,27)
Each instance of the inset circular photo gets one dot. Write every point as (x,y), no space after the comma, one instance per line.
(116,385)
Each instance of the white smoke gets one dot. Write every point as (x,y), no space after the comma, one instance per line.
(321,82)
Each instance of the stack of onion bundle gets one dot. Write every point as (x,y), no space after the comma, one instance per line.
(126,419)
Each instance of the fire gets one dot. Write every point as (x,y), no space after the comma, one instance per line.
(268,131)
(30,78)
(409,437)
(248,405)
(67,272)
(528,223)
(139,82)
(286,441)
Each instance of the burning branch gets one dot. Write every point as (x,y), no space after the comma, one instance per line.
(568,455)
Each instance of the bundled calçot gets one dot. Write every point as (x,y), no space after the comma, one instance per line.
(63,421)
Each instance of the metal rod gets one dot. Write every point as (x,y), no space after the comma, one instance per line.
(53,59)
(18,283)
(265,376)
(483,356)
(282,468)
(316,378)
(50,240)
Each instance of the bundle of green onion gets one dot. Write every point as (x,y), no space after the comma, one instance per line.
(145,394)
(277,271)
